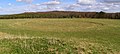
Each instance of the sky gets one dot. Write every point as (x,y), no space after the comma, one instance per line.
(20,6)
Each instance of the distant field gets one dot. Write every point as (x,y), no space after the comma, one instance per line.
(56,36)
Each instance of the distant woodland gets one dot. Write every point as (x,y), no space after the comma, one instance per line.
(62,14)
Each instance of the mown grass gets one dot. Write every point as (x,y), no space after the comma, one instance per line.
(95,36)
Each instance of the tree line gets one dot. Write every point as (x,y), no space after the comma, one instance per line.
(62,14)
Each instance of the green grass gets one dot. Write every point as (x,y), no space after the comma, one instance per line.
(95,36)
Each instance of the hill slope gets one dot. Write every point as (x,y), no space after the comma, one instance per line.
(63,14)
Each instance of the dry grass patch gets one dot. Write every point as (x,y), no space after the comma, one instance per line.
(34,45)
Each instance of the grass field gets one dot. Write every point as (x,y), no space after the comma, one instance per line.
(59,36)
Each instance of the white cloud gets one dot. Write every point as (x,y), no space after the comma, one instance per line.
(72,6)
(112,1)
(80,5)
(51,3)
(84,2)
(98,5)
(26,1)
(1,9)
(59,9)
(9,4)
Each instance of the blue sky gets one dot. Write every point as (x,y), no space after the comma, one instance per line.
(20,6)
